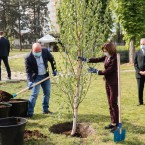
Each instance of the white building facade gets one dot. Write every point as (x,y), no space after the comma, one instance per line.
(54,27)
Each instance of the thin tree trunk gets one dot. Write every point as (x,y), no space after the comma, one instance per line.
(132,50)
(76,98)
(34,11)
(75,116)
(5,22)
(20,36)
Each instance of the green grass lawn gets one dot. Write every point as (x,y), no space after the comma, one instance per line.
(17,64)
(94,109)
(17,51)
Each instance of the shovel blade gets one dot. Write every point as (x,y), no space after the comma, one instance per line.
(4,96)
(119,135)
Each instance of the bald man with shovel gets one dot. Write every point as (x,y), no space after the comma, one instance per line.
(36,64)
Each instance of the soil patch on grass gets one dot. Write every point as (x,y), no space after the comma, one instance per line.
(35,134)
(83,129)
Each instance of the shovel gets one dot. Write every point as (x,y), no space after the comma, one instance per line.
(119,133)
(4,96)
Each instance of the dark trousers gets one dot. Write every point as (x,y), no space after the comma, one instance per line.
(5,60)
(112,94)
(140,83)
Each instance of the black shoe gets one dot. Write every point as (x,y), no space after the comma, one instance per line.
(9,78)
(110,126)
(140,104)
(113,129)
(47,112)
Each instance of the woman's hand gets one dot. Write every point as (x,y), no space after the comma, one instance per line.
(142,73)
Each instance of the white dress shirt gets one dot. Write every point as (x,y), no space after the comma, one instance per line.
(41,66)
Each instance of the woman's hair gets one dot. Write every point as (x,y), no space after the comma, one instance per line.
(110,47)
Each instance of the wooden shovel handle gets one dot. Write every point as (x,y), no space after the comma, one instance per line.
(119,88)
(33,85)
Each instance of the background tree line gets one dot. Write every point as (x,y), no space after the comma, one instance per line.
(127,19)
(17,15)
(129,15)
(126,23)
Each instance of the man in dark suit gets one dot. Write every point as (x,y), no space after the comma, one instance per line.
(139,64)
(36,64)
(4,53)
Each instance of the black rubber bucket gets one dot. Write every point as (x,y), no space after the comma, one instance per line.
(4,109)
(19,107)
(12,130)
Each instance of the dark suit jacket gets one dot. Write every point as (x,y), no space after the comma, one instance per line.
(31,64)
(139,63)
(4,47)
(110,71)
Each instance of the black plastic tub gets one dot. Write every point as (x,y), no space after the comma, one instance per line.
(12,130)
(19,107)
(4,109)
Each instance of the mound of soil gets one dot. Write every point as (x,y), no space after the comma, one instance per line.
(35,134)
(83,129)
